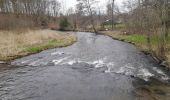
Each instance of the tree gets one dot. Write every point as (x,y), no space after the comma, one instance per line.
(28,11)
(72,16)
(64,24)
(113,14)
(150,17)
(89,9)
(55,6)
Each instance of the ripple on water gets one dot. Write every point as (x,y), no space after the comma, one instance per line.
(58,61)
(162,75)
(108,67)
(128,70)
(144,74)
(57,53)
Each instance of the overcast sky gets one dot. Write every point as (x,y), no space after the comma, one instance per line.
(72,3)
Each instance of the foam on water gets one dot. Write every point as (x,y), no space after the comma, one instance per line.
(71,62)
(158,71)
(98,64)
(26,61)
(163,75)
(56,62)
(144,74)
(36,63)
(128,69)
(108,70)
(57,53)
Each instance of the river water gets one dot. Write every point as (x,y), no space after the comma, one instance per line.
(95,68)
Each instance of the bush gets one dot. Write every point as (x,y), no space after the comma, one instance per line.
(64,24)
(12,22)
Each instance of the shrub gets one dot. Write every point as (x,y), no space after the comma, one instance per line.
(64,24)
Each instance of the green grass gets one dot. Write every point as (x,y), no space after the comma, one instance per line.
(120,26)
(117,26)
(140,39)
(33,49)
(50,44)
(137,39)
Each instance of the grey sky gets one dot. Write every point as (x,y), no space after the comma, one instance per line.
(72,3)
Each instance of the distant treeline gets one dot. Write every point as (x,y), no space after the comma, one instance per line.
(27,13)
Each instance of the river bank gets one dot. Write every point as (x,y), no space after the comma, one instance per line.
(140,41)
(15,45)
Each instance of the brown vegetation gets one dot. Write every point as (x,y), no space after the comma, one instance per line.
(17,14)
(18,44)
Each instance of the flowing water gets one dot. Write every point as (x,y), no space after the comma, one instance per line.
(95,68)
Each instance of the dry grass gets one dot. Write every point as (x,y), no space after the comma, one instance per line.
(14,44)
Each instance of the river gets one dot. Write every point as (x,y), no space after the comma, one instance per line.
(96,67)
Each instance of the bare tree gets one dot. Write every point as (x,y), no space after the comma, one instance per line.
(150,17)
(89,9)
(55,7)
(113,14)
(26,11)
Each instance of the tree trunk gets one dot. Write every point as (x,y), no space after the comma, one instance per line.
(112,14)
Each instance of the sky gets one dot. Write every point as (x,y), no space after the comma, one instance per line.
(72,3)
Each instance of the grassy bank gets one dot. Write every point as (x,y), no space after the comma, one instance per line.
(141,42)
(18,44)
